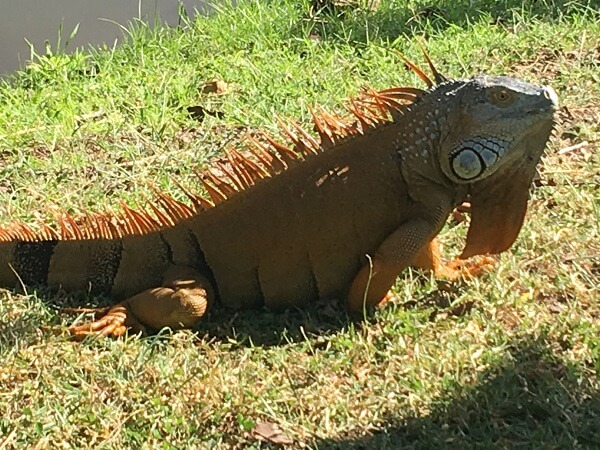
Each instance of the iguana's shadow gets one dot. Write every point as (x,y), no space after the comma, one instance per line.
(316,321)
(531,399)
(44,313)
(240,328)
(263,327)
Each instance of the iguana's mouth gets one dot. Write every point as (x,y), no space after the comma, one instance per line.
(540,112)
(548,102)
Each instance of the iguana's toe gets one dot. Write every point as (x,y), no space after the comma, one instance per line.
(115,322)
(468,268)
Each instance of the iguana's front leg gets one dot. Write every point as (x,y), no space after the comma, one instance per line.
(371,285)
(179,303)
(396,253)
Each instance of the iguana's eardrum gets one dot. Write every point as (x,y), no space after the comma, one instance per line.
(339,213)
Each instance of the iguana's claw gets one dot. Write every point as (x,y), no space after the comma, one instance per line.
(386,299)
(114,322)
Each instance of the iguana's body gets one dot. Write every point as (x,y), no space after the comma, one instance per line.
(302,232)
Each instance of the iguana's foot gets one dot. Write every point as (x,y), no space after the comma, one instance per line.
(430,258)
(458,269)
(115,321)
(180,303)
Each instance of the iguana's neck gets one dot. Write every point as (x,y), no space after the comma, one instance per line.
(420,135)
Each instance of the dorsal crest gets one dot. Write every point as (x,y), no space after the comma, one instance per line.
(236,171)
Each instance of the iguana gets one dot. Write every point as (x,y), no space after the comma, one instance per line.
(337,214)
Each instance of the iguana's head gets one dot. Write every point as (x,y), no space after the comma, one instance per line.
(494,122)
(494,135)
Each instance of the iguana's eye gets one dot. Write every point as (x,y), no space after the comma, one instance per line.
(501,96)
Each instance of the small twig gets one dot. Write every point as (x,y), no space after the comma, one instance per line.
(79,119)
(90,116)
(572,148)
(564,172)
(18,278)
(569,259)
(84,310)
(6,442)
(31,130)
(364,305)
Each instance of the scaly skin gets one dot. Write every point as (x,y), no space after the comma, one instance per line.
(344,222)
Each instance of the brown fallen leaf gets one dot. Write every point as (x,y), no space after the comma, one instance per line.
(271,432)
(215,87)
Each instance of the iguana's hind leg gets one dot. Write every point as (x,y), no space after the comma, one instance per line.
(179,303)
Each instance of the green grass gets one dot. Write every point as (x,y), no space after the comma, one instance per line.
(510,360)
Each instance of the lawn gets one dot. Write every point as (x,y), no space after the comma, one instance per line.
(508,360)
